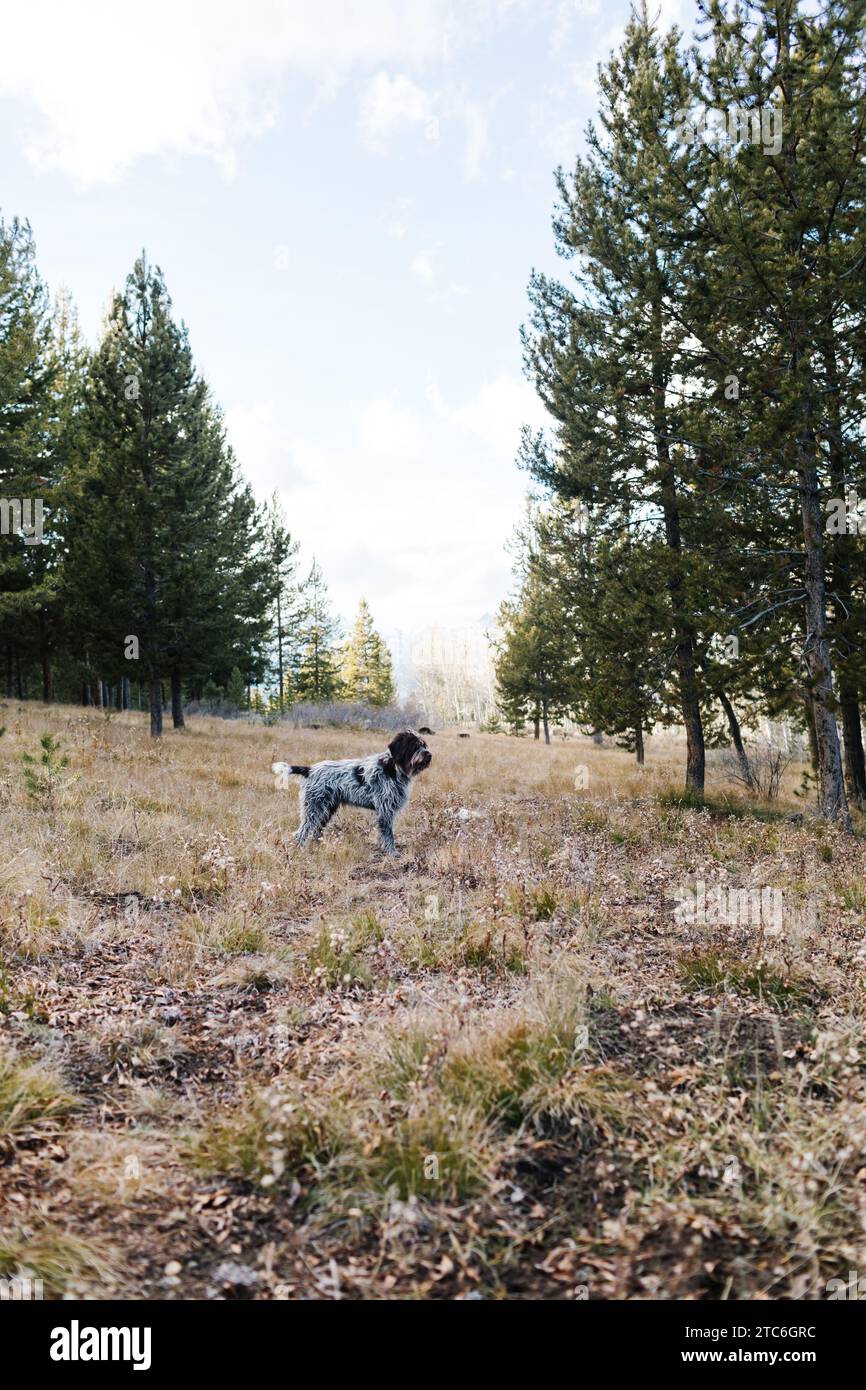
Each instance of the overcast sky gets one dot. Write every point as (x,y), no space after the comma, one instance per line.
(346,200)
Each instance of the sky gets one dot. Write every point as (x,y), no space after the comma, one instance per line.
(347,198)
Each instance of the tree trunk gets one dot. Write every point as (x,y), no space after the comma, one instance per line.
(280,647)
(638,744)
(800,331)
(155,695)
(118,694)
(810,731)
(846,635)
(696,758)
(852,737)
(737,740)
(97,693)
(124,684)
(86,695)
(176,700)
(19,678)
(832,801)
(47,679)
(155,709)
(684,655)
(536,721)
(545,722)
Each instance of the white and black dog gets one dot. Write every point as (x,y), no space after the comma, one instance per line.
(380,783)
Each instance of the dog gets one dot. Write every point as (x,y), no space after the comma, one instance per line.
(380,783)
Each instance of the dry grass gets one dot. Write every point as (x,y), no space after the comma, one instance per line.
(32,1098)
(501,1065)
(65,1263)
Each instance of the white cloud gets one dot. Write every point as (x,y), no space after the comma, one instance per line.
(396,218)
(411,506)
(101,85)
(477,140)
(495,414)
(422,266)
(450,295)
(391,102)
(263,448)
(390,431)
(107,83)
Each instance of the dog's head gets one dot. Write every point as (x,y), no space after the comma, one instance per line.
(410,753)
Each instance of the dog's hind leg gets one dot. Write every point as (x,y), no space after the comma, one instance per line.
(386,834)
(305,831)
(317,813)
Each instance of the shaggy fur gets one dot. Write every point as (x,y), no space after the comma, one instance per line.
(380,783)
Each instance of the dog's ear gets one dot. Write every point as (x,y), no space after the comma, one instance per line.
(402,747)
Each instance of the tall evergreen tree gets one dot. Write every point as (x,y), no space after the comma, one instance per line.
(316,672)
(620,624)
(777,244)
(28,481)
(534,666)
(70,360)
(289,605)
(609,356)
(366,663)
(158,516)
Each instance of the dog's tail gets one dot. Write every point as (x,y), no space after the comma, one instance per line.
(286,768)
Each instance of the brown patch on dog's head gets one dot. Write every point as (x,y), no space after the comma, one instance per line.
(410,753)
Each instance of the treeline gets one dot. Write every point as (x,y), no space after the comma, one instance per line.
(696,555)
(134,560)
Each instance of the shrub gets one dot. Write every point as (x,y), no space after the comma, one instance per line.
(46,775)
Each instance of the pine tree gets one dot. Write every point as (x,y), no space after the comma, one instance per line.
(533,671)
(158,517)
(314,660)
(29,553)
(620,623)
(535,643)
(289,604)
(70,360)
(142,394)
(366,663)
(236,689)
(779,306)
(609,356)
(220,589)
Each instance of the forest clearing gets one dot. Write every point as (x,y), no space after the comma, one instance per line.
(503,1064)
(444,424)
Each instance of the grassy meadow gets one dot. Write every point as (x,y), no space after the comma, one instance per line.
(500,1065)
